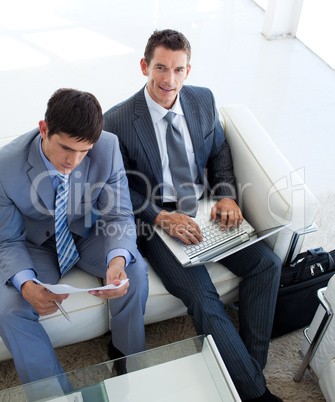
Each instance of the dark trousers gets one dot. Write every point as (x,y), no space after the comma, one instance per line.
(244,353)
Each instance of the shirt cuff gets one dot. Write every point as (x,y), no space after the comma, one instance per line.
(21,277)
(119,252)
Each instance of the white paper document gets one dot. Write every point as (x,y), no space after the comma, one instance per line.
(61,288)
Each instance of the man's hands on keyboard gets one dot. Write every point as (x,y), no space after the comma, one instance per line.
(213,235)
(187,230)
(228,212)
(179,225)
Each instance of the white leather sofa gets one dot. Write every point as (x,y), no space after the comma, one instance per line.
(270,193)
(327,381)
(318,347)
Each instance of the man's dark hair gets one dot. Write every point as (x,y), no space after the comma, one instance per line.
(169,39)
(75,113)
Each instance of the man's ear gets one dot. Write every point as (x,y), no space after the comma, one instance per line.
(144,66)
(43,129)
(188,70)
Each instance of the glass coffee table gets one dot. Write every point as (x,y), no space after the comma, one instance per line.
(189,370)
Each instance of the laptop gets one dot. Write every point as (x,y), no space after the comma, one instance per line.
(217,244)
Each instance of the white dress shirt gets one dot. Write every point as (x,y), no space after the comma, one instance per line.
(157,113)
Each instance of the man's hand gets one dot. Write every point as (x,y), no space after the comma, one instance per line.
(228,212)
(115,274)
(40,298)
(179,225)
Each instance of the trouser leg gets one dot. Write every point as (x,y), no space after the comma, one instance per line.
(260,269)
(24,336)
(195,288)
(127,322)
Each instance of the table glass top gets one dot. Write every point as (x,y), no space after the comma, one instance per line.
(186,370)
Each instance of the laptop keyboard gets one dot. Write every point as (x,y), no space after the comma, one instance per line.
(212,236)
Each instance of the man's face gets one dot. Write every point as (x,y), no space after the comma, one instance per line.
(64,152)
(166,74)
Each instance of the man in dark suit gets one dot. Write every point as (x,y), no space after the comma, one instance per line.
(97,222)
(155,173)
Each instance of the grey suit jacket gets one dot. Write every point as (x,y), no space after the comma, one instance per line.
(99,200)
(131,122)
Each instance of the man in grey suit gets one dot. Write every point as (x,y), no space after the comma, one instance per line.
(140,123)
(98,222)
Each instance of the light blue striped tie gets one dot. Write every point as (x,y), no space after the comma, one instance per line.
(66,249)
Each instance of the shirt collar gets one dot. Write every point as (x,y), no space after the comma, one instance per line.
(53,172)
(157,111)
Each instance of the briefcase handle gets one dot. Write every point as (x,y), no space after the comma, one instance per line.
(307,257)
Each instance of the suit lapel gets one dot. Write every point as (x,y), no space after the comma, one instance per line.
(146,134)
(193,120)
(40,180)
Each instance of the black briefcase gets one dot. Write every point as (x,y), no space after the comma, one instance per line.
(297,296)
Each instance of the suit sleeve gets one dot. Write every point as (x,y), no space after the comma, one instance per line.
(138,181)
(14,256)
(116,209)
(220,169)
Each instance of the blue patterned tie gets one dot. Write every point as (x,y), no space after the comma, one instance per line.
(180,168)
(66,249)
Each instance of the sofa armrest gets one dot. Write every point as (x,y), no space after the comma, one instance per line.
(270,191)
(326,382)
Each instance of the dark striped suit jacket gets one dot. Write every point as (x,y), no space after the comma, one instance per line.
(131,122)
(245,355)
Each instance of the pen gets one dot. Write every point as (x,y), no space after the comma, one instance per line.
(65,314)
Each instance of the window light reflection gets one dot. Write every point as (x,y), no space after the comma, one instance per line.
(77,44)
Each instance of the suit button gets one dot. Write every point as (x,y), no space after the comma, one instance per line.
(47,233)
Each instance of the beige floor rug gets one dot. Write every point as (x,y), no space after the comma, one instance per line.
(283,360)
